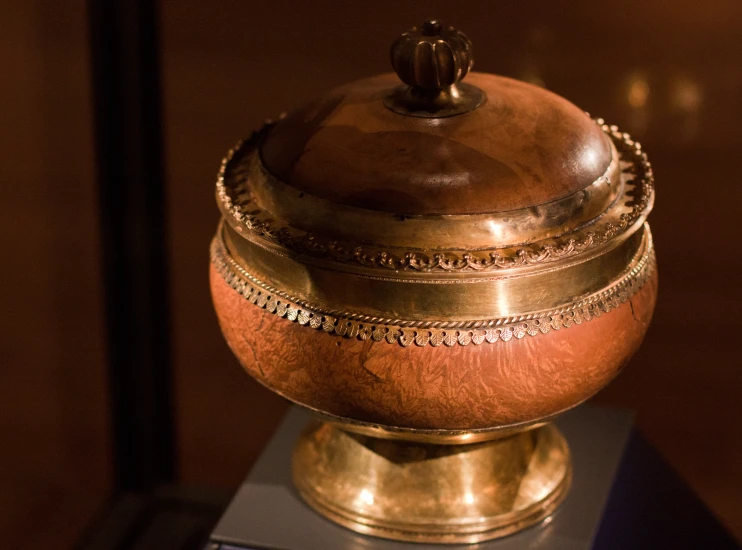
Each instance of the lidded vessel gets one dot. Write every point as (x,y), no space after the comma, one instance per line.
(436,268)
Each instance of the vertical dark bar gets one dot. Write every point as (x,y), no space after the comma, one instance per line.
(128,135)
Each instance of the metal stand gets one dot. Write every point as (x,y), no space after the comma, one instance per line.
(267,512)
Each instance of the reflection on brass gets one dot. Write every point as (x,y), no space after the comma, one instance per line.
(468,278)
(432,493)
(431,60)
(436,437)
(624,214)
(456,298)
(638,92)
(433,331)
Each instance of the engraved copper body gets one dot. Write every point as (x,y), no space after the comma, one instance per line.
(436,270)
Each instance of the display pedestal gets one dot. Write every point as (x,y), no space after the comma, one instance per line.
(266,512)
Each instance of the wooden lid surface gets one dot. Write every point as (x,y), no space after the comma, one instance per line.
(524,147)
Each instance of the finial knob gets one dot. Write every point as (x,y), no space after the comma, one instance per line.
(432,59)
(432,56)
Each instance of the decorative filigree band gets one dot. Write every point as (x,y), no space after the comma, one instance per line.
(435,333)
(234,194)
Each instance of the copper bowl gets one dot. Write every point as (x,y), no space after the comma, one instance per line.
(434,264)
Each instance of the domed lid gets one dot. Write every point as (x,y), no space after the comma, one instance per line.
(522,147)
(435,145)
(431,171)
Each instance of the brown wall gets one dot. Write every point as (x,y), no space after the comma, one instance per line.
(54,460)
(669,72)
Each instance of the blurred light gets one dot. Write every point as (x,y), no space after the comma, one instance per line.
(686,95)
(367,497)
(532,76)
(530,69)
(590,158)
(638,92)
(469,498)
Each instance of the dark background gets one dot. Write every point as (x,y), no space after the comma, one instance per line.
(668,72)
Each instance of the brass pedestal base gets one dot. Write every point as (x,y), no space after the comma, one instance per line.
(432,493)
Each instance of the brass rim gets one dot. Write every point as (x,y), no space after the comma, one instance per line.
(241,211)
(494,529)
(433,332)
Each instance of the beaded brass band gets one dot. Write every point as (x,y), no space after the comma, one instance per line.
(380,290)
(431,332)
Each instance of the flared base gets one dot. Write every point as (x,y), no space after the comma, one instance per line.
(448,494)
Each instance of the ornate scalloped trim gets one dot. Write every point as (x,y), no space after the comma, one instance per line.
(435,333)
(238,202)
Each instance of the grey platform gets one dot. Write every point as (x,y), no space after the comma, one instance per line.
(267,513)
